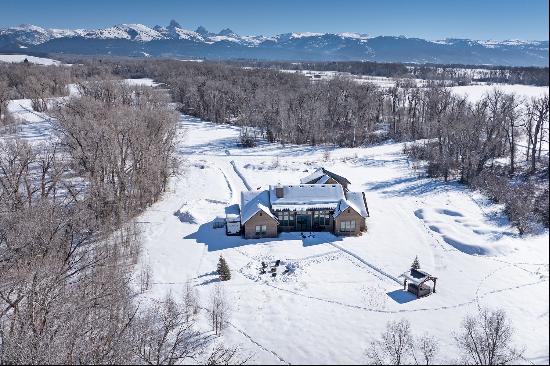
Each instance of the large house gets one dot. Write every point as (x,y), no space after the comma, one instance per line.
(321,202)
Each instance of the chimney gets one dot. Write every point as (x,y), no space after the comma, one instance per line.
(279,191)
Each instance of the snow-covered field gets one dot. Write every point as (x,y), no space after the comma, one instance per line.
(32,59)
(476,92)
(340,292)
(473,92)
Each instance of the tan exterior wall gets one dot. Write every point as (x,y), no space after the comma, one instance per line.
(349,215)
(261,218)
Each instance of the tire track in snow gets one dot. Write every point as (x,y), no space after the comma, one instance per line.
(446,307)
(240,175)
(372,266)
(449,249)
(282,360)
(45,117)
(363,308)
(252,340)
(231,193)
(312,256)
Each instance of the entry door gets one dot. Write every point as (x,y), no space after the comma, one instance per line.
(303,221)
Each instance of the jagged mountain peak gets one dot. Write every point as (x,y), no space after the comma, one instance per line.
(289,46)
(174,24)
(227,32)
(202,31)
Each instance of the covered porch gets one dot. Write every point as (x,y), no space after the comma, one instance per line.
(313,219)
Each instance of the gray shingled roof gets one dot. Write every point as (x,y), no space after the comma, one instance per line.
(304,196)
(354,200)
(253,202)
(315,177)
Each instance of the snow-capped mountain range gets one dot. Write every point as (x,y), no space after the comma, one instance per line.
(175,41)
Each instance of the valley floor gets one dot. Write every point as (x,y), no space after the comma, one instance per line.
(341,291)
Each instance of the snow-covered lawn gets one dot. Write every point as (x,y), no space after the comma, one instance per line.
(340,292)
(31,59)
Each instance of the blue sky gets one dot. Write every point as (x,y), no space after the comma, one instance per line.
(431,19)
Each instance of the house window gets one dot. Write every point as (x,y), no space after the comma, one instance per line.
(261,230)
(321,218)
(286,218)
(347,226)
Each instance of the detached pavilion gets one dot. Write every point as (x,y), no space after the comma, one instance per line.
(415,281)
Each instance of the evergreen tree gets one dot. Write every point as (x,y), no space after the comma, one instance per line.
(223,269)
(415,264)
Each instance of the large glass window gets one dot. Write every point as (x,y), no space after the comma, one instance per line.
(347,226)
(321,218)
(286,218)
(261,229)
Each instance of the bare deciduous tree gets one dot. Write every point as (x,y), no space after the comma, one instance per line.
(190,303)
(537,111)
(166,337)
(219,309)
(395,347)
(487,339)
(222,355)
(426,349)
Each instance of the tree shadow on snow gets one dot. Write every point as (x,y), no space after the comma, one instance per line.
(410,186)
(401,296)
(211,273)
(209,281)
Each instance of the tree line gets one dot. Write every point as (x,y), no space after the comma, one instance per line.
(495,144)
(482,145)
(485,338)
(468,140)
(39,83)
(455,74)
(68,247)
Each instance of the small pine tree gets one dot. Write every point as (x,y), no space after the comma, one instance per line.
(416,263)
(223,269)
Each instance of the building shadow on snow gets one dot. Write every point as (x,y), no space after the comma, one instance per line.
(216,239)
(401,296)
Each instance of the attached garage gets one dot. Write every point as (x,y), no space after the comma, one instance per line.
(261,225)
(350,215)
(256,218)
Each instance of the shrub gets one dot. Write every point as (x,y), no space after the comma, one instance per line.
(247,139)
